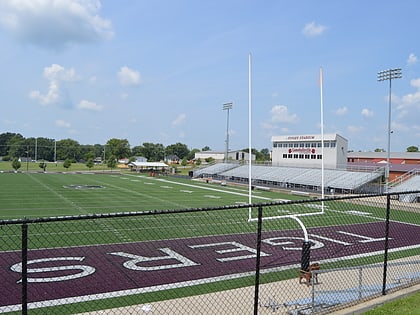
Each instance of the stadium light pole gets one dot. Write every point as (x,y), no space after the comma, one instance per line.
(227,107)
(389,75)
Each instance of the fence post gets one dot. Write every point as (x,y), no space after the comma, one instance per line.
(388,210)
(24,268)
(258,261)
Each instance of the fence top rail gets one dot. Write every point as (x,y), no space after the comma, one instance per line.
(169,211)
(399,263)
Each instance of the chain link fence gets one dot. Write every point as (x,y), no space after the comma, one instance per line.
(288,257)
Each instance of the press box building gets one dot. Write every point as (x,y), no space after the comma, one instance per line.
(306,151)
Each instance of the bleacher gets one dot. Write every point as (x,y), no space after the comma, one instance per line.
(214,169)
(292,177)
(410,184)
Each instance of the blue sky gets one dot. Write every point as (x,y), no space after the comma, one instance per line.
(160,71)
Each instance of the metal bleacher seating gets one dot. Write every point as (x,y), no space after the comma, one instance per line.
(292,176)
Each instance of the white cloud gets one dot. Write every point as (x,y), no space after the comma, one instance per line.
(89,105)
(62,123)
(412,59)
(55,74)
(179,120)
(411,100)
(280,113)
(415,83)
(313,29)
(55,24)
(129,77)
(51,97)
(366,112)
(341,111)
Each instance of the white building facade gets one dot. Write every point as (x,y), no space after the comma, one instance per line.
(306,151)
(220,156)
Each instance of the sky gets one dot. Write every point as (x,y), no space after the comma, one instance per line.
(160,71)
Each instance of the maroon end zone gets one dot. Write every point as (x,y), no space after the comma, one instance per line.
(85,271)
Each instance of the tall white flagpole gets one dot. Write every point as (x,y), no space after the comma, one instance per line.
(322,136)
(249,138)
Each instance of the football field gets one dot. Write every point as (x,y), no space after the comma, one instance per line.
(136,238)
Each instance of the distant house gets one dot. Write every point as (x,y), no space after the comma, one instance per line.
(140,159)
(172,159)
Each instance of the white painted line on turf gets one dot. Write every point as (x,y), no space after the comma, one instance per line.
(210,188)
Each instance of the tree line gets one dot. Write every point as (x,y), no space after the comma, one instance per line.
(14,145)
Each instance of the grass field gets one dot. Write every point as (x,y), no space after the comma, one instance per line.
(32,195)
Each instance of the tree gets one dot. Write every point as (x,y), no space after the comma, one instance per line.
(120,148)
(198,162)
(68,149)
(89,155)
(43,165)
(379,150)
(206,148)
(265,154)
(67,163)
(16,164)
(112,162)
(412,149)
(209,159)
(178,149)
(5,141)
(192,153)
(89,163)
(44,148)
(184,161)
(16,146)
(152,152)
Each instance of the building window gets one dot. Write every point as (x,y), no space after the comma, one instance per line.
(295,156)
(319,157)
(284,156)
(289,156)
(333,144)
(307,156)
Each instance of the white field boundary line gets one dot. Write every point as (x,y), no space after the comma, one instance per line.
(183,284)
(371,217)
(205,188)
